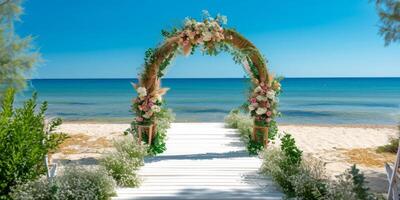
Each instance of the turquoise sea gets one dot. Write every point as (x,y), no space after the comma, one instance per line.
(304,100)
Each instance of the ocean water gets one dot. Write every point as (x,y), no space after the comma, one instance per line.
(303,101)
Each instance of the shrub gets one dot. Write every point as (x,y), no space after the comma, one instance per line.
(24,141)
(304,178)
(283,164)
(392,146)
(123,164)
(310,182)
(81,183)
(350,185)
(389,148)
(242,121)
(75,183)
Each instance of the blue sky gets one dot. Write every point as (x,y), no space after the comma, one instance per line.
(107,39)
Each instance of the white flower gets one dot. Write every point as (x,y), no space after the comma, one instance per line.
(261,98)
(251,107)
(257,89)
(207,36)
(271,94)
(142,91)
(147,115)
(261,111)
(155,108)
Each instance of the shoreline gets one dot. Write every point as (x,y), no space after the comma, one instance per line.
(394,126)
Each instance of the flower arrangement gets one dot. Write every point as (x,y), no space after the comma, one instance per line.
(205,33)
(147,105)
(263,102)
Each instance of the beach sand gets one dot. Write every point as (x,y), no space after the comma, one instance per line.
(338,146)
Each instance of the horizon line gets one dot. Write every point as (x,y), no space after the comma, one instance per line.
(293,77)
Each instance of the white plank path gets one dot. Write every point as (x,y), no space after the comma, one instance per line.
(202,161)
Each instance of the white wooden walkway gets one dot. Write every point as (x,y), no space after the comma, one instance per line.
(203,161)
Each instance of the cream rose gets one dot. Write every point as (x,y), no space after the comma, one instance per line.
(271,94)
(156,108)
(261,98)
(261,111)
(251,107)
(142,91)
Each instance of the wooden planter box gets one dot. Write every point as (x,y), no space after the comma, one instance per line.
(150,130)
(263,130)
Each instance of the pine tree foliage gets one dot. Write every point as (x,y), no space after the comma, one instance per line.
(389,14)
(17,54)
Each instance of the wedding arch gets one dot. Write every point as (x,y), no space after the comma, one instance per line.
(212,37)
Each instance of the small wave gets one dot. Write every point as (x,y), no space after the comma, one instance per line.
(301,113)
(73,103)
(384,105)
(211,110)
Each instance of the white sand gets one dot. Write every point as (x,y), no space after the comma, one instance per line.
(324,142)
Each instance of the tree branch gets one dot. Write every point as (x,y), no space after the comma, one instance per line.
(4,2)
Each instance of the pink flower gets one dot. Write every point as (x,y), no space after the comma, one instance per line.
(269,113)
(150,104)
(185,42)
(144,107)
(253,100)
(268,120)
(139,119)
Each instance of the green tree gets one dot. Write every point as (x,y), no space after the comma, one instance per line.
(389,14)
(25,139)
(17,54)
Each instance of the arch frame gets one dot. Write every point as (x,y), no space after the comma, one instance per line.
(213,37)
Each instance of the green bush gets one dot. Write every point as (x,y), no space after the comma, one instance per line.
(24,142)
(392,146)
(124,163)
(242,121)
(389,148)
(304,178)
(75,183)
(310,182)
(283,164)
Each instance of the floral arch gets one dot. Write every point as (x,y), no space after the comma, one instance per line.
(213,37)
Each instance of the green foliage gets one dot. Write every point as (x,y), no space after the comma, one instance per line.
(359,188)
(17,55)
(289,148)
(25,139)
(238,119)
(389,148)
(389,14)
(123,164)
(75,183)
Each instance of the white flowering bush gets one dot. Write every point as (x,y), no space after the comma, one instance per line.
(75,183)
(241,120)
(304,178)
(124,163)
